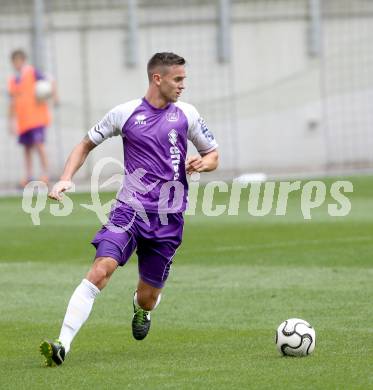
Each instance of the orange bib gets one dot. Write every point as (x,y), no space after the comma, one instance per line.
(29,112)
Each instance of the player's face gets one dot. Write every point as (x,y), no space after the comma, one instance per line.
(171,83)
(18,63)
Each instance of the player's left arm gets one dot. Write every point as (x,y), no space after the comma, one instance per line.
(205,163)
(40,76)
(55,97)
(204,141)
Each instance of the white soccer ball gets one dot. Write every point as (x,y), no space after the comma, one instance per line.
(43,89)
(295,337)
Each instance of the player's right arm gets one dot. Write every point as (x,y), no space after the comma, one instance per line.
(11,118)
(73,163)
(109,126)
(12,126)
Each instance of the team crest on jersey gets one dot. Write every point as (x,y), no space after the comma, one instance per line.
(172,116)
(140,119)
(172,136)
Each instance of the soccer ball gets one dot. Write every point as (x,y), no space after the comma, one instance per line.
(295,337)
(43,89)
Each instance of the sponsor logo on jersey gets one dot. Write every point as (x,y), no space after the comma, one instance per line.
(205,131)
(172,136)
(174,153)
(140,119)
(97,130)
(172,116)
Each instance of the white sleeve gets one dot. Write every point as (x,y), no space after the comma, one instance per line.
(198,132)
(112,123)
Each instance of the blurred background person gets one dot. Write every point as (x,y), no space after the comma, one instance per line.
(28,115)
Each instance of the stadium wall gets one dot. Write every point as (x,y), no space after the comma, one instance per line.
(273,107)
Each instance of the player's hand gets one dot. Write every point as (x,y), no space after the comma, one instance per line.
(194,164)
(12,128)
(55,101)
(59,188)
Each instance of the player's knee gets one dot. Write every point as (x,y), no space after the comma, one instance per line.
(101,272)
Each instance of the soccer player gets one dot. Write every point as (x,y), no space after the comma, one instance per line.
(148,214)
(28,117)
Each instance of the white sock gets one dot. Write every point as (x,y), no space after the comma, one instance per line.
(137,304)
(78,309)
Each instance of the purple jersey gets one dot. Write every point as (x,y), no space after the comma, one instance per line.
(155,147)
(38,76)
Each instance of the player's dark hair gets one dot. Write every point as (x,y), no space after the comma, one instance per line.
(18,53)
(163,59)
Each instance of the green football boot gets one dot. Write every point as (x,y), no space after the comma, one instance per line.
(53,351)
(140,323)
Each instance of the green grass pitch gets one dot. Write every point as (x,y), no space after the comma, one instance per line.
(234,280)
